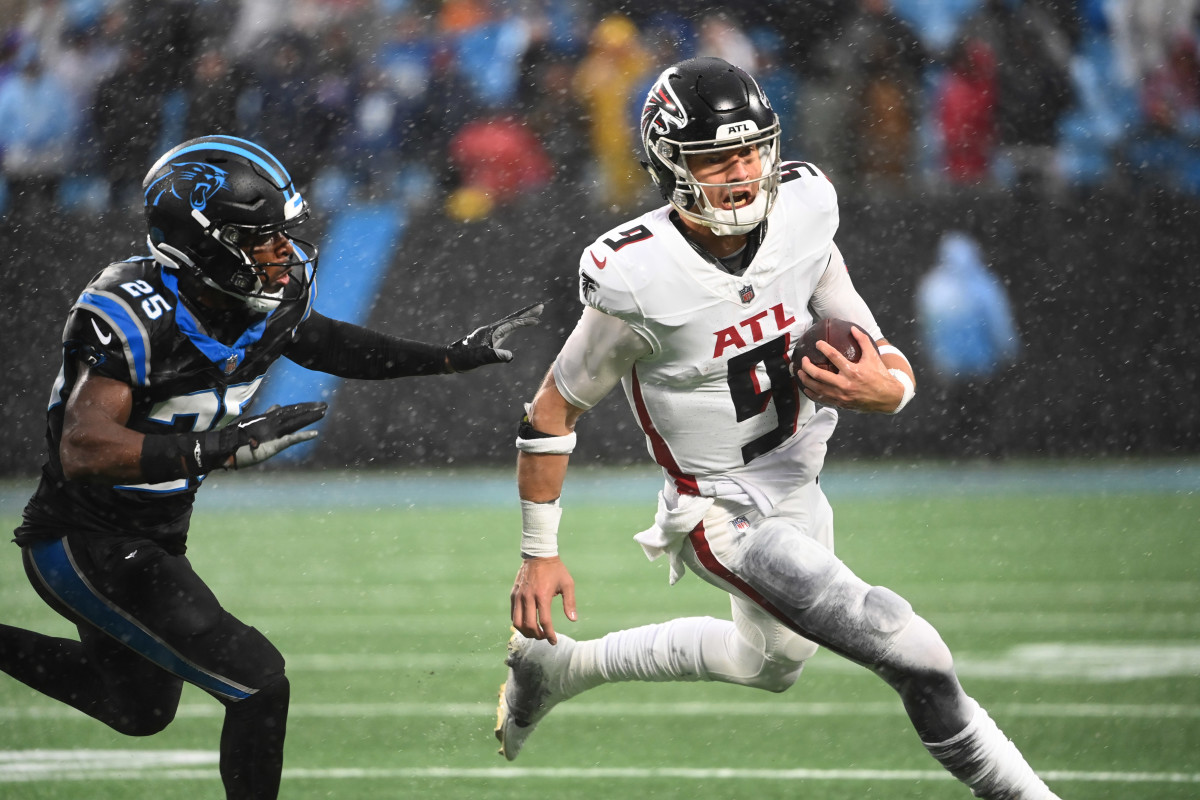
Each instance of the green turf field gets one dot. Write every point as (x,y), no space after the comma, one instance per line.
(1073,609)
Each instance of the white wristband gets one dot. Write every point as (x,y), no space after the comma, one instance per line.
(891,348)
(539,529)
(909,390)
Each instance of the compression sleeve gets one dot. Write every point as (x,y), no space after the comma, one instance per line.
(351,351)
(599,352)
(835,297)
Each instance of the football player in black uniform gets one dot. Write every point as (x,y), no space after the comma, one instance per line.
(161,356)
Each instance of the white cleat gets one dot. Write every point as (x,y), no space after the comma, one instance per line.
(536,671)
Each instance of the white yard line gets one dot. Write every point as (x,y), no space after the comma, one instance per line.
(579,708)
(24,766)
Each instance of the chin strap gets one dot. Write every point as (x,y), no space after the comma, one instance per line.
(727,219)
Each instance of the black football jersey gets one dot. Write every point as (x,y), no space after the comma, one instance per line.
(130,324)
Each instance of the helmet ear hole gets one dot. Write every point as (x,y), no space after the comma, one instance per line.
(652,172)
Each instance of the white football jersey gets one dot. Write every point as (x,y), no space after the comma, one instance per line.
(715,391)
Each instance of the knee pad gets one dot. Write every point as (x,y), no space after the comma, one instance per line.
(783,650)
(738,654)
(272,698)
(856,619)
(886,611)
(918,653)
(778,676)
(238,653)
(142,720)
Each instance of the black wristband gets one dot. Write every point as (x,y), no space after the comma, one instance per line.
(169,457)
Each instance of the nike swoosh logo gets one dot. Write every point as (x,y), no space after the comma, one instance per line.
(131,555)
(104,338)
(250,422)
(599,264)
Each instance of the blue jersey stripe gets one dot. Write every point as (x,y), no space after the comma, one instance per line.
(245,149)
(216,352)
(57,570)
(119,316)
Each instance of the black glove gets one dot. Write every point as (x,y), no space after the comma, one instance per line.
(483,345)
(172,456)
(256,439)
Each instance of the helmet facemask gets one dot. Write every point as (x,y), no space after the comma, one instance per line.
(242,274)
(689,198)
(246,282)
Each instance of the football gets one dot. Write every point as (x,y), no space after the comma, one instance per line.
(834,331)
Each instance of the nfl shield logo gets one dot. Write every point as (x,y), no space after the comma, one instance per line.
(231,364)
(746,293)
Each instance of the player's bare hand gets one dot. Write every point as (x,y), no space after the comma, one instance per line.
(538,581)
(865,385)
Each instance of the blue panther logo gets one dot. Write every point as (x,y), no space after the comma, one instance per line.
(200,181)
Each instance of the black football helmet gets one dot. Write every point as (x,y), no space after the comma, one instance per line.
(210,197)
(702,105)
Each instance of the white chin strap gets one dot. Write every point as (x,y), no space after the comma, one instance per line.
(262,303)
(734,221)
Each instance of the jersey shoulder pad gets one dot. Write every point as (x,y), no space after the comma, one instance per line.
(808,205)
(614,268)
(804,180)
(116,316)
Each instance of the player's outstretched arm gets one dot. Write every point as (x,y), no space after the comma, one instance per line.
(352,351)
(545,439)
(485,344)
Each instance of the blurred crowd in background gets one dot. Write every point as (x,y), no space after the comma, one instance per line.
(465,104)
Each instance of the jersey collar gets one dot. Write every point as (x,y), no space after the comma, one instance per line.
(228,357)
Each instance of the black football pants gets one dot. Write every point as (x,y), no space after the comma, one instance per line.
(147,623)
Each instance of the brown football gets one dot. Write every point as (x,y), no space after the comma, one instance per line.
(834,331)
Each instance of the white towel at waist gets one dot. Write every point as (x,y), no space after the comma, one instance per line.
(762,483)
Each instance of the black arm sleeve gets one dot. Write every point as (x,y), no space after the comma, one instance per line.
(351,351)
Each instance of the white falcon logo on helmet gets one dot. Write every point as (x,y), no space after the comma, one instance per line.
(663,111)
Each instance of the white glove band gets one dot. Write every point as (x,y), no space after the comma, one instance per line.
(909,390)
(548,445)
(539,529)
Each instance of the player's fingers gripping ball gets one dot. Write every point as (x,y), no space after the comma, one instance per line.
(838,333)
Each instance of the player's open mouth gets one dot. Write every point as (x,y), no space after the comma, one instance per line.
(273,283)
(739,199)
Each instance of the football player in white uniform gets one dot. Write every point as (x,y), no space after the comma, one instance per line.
(693,309)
